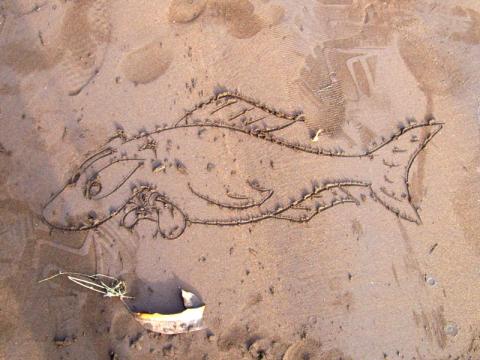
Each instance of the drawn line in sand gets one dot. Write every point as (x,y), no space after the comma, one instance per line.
(137,195)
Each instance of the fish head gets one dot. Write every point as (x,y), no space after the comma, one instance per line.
(98,190)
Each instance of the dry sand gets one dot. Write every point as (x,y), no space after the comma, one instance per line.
(389,269)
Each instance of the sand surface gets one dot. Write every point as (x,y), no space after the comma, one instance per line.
(310,169)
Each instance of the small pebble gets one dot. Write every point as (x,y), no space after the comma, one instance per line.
(451,329)
(431,281)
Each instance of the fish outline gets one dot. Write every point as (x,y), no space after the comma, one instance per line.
(148,199)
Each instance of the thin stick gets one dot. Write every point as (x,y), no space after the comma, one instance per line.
(118,288)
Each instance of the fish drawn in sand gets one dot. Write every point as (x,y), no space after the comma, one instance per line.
(188,173)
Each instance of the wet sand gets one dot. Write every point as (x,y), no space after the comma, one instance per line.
(310,171)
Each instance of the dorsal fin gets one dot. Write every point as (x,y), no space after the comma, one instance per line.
(234,110)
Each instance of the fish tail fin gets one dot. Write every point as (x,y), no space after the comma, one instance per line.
(394,159)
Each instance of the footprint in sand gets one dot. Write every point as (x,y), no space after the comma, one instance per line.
(146,64)
(239,17)
(471,35)
(325,105)
(184,11)
(78,48)
(16,229)
(85,34)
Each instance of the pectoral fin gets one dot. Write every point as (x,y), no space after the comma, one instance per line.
(312,204)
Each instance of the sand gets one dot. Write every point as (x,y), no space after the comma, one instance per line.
(309,169)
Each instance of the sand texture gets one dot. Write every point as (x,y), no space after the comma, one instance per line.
(309,169)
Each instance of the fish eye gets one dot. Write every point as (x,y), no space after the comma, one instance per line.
(110,178)
(93,188)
